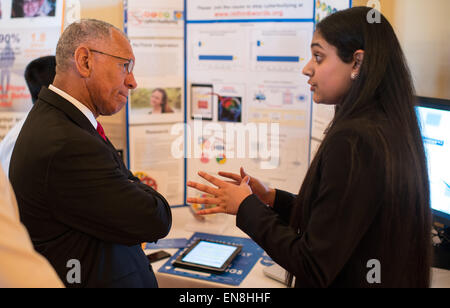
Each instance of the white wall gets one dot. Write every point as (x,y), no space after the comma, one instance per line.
(423,28)
(107,10)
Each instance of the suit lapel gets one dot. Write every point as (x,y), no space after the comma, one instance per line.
(69,109)
(76,116)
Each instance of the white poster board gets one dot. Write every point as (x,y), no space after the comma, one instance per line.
(250,56)
(156,32)
(26,33)
(244,99)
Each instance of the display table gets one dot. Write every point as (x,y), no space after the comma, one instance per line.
(440,278)
(184,225)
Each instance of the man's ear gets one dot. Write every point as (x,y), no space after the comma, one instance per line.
(83,61)
(358,58)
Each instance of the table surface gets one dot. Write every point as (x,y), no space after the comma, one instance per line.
(184,225)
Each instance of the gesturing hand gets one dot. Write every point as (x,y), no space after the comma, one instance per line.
(227,196)
(263,192)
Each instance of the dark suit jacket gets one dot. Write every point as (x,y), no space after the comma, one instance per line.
(78,200)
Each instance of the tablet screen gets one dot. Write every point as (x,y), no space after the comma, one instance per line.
(210,254)
(202,101)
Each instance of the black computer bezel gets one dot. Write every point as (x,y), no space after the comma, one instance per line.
(205,268)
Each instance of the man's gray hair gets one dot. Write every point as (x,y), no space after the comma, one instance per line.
(82,31)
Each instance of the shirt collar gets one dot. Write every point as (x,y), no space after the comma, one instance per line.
(85,110)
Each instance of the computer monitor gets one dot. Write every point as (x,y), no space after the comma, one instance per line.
(434,118)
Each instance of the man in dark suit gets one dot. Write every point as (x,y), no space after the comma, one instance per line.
(84,210)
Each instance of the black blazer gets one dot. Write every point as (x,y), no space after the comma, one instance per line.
(342,222)
(79,201)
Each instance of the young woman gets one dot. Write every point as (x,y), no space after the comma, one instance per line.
(158,102)
(362,216)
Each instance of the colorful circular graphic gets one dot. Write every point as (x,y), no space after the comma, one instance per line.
(146,179)
(221,159)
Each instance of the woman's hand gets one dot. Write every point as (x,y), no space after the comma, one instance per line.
(264,193)
(227,196)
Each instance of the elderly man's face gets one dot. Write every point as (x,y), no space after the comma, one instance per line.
(110,81)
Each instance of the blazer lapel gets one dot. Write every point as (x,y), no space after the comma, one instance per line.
(76,116)
(69,109)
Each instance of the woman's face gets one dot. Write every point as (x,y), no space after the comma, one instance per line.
(156,99)
(329,76)
(31,7)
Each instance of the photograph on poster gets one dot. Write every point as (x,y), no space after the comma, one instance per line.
(230,109)
(159,102)
(22,40)
(33,8)
(202,97)
(155,101)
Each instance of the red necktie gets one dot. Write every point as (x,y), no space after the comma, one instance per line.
(101,131)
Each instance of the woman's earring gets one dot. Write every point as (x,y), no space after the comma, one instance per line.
(354,76)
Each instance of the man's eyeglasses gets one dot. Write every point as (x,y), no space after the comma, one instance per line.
(128,67)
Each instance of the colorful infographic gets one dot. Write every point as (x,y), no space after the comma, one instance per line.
(234,90)
(247,59)
(28,30)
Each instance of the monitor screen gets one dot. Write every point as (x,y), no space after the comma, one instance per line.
(434,118)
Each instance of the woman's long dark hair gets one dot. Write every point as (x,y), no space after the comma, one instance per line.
(163,99)
(383,86)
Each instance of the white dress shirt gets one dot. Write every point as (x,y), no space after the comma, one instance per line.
(8,143)
(85,110)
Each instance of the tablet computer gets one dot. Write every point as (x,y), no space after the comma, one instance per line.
(202,98)
(207,255)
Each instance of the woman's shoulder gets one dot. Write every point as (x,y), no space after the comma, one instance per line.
(365,137)
(371,128)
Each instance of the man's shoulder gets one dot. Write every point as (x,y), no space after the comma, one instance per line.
(48,129)
(42,121)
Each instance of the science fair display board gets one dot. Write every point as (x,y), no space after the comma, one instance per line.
(156,32)
(229,74)
(27,31)
(248,102)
